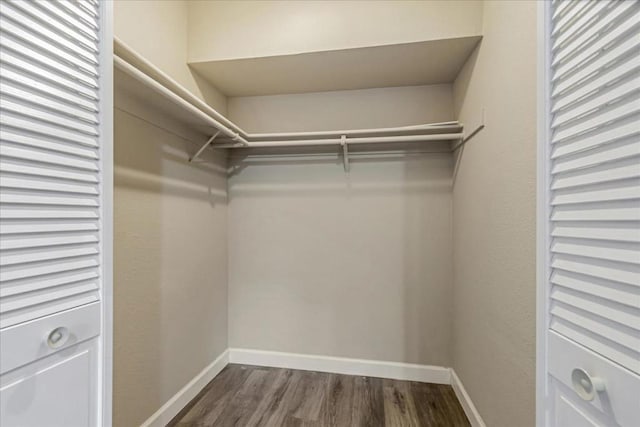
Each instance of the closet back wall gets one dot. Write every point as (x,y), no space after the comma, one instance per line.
(328,263)
(344,109)
(170,284)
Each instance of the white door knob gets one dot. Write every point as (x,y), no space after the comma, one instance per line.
(58,337)
(585,385)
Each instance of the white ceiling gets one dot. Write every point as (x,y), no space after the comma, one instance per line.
(409,64)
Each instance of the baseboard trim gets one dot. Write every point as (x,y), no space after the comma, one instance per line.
(307,362)
(174,405)
(342,365)
(469,408)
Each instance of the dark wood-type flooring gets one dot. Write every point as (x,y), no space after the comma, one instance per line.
(257,396)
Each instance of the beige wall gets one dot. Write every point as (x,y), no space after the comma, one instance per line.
(494,202)
(158,30)
(354,265)
(348,109)
(243,29)
(170,284)
(323,262)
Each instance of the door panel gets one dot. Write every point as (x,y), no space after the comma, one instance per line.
(28,342)
(59,390)
(56,156)
(590,207)
(570,413)
(617,402)
(50,167)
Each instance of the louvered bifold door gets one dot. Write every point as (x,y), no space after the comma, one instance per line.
(50,164)
(594,197)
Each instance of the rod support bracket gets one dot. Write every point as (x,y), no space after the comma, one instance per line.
(345,152)
(205,145)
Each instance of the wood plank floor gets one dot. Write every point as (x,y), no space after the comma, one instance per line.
(257,396)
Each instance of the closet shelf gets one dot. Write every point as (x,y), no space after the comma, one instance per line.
(159,89)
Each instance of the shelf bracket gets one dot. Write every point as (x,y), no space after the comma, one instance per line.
(465,139)
(460,145)
(206,144)
(345,153)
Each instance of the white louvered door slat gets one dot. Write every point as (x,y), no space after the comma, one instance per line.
(34,11)
(41,57)
(11,167)
(40,150)
(44,74)
(593,211)
(55,92)
(618,186)
(14,13)
(49,169)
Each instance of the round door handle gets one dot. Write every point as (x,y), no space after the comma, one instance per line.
(57,337)
(585,385)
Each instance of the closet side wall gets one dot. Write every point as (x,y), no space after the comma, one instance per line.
(329,263)
(158,30)
(170,245)
(494,208)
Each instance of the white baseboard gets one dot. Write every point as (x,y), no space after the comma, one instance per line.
(336,365)
(174,405)
(469,408)
(342,365)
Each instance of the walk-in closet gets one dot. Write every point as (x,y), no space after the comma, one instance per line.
(319,213)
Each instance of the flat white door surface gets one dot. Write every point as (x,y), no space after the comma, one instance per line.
(591,197)
(55,162)
(49,370)
(56,391)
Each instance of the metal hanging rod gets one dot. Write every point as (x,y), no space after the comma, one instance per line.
(234,137)
(353,132)
(338,141)
(132,71)
(127,54)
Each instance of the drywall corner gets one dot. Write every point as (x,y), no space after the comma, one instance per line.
(470,409)
(170,261)
(494,217)
(158,30)
(182,398)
